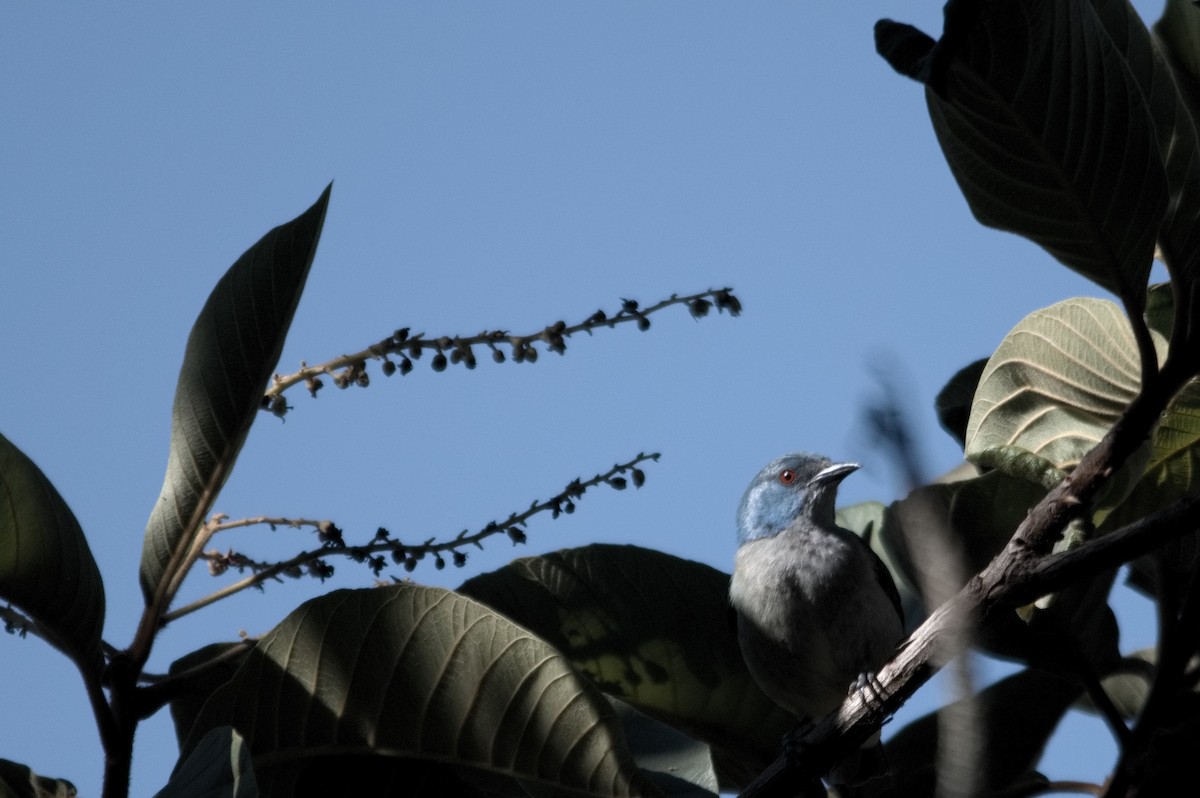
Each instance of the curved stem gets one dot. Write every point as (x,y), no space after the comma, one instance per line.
(511,525)
(552,336)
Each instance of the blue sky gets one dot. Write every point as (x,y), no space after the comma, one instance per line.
(494,166)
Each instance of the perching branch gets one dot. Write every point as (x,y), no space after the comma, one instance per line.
(1008,582)
(350,370)
(1024,571)
(401,553)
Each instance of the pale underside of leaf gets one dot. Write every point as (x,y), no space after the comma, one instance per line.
(1057,382)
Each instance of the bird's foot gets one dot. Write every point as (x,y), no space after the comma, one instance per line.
(870,689)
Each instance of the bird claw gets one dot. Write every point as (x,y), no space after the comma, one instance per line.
(870,689)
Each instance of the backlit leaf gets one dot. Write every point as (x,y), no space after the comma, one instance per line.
(1164,69)
(953,402)
(393,682)
(197,676)
(1057,382)
(1047,130)
(615,613)
(231,352)
(1011,720)
(19,781)
(218,767)
(46,568)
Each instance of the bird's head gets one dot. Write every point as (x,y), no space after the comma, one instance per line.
(793,486)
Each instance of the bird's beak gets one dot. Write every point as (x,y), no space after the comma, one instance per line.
(834,473)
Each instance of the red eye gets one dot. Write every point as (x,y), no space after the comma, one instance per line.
(787,476)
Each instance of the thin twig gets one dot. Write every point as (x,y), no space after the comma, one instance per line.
(16,623)
(408,554)
(348,370)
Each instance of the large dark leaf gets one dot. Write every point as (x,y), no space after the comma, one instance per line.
(1047,130)
(46,567)
(978,514)
(953,529)
(218,767)
(875,523)
(680,765)
(953,402)
(231,352)
(655,631)
(1164,74)
(1179,29)
(1010,721)
(18,781)
(399,682)
(197,676)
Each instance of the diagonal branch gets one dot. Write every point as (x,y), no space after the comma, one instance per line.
(1023,572)
(1008,582)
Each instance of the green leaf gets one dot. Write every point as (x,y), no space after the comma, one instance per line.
(231,352)
(196,676)
(874,523)
(1057,382)
(1179,30)
(1013,717)
(1173,470)
(980,514)
(218,767)
(19,781)
(953,402)
(655,631)
(1172,473)
(680,765)
(1160,309)
(46,567)
(956,528)
(1062,633)
(1046,128)
(403,679)
(1128,686)
(1161,69)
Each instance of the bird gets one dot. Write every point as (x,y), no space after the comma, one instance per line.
(817,610)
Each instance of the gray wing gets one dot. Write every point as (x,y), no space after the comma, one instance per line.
(884,576)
